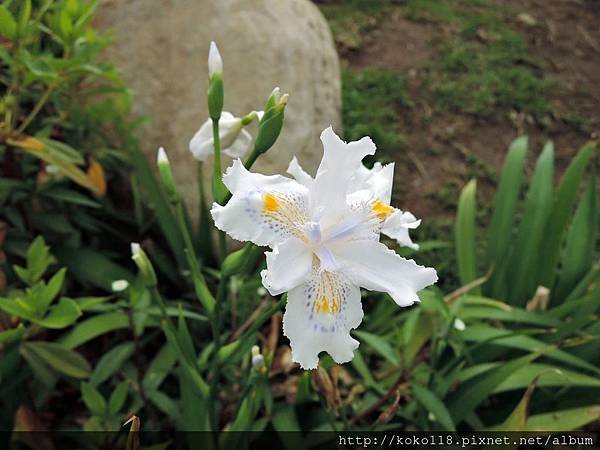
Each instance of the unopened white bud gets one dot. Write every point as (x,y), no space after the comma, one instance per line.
(215,63)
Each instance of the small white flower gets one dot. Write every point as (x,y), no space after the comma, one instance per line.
(119,285)
(258,360)
(431,417)
(459,325)
(215,62)
(324,234)
(235,141)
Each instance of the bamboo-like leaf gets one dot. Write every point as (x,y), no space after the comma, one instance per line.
(562,211)
(93,399)
(111,362)
(60,358)
(8,24)
(500,231)
(464,234)
(580,243)
(60,316)
(523,258)
(94,327)
(380,345)
(88,266)
(434,405)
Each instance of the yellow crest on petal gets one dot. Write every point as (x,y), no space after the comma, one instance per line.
(270,203)
(324,305)
(382,210)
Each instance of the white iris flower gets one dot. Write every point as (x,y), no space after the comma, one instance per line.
(235,141)
(324,235)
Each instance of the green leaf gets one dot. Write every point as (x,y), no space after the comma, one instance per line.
(165,404)
(505,203)
(565,420)
(60,358)
(523,260)
(580,244)
(111,362)
(60,316)
(93,400)
(470,395)
(159,368)
(39,367)
(286,424)
(94,327)
(433,404)
(515,315)
(70,196)
(517,419)
(505,338)
(380,345)
(464,234)
(17,307)
(88,266)
(38,259)
(24,16)
(117,398)
(54,287)
(562,211)
(12,334)
(8,24)
(553,377)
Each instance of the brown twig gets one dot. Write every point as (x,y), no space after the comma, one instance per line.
(391,391)
(249,320)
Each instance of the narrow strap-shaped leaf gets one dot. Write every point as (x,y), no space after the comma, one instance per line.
(464,234)
(505,202)
(434,405)
(562,211)
(580,244)
(523,258)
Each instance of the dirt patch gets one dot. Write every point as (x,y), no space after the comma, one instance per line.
(443,150)
(397,44)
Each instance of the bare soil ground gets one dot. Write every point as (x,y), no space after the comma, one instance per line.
(444,149)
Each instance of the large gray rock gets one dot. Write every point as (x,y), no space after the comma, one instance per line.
(161,47)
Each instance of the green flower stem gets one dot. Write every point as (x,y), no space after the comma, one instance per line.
(217,145)
(36,109)
(200,286)
(204,226)
(172,337)
(220,192)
